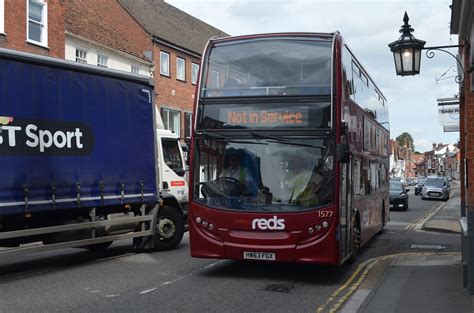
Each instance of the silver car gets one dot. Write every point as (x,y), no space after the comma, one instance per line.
(436,188)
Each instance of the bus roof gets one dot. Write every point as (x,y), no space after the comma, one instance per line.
(274,35)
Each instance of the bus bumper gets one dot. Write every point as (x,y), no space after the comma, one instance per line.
(321,251)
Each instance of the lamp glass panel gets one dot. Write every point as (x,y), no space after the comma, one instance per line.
(417,60)
(407,60)
(398,61)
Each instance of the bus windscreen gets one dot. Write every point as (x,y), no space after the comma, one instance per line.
(268,67)
(265,175)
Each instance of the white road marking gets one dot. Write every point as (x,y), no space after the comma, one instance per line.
(148,290)
(166,283)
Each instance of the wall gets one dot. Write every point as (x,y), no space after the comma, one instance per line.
(107,23)
(15,36)
(172,93)
(117,60)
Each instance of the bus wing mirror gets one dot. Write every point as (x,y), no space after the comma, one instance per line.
(344,128)
(343,153)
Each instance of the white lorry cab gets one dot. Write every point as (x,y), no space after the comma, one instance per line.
(171,165)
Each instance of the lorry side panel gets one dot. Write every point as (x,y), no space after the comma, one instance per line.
(66,134)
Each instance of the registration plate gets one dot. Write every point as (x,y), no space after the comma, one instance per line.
(252,255)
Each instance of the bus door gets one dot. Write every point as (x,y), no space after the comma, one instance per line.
(345,211)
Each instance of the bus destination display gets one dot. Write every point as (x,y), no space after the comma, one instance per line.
(293,117)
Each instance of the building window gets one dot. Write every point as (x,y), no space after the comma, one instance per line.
(135,69)
(37,26)
(102,60)
(81,56)
(2,16)
(180,69)
(171,120)
(188,123)
(164,63)
(215,79)
(194,73)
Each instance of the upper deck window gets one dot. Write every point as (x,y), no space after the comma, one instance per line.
(269,67)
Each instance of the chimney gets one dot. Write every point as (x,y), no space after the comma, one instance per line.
(434,146)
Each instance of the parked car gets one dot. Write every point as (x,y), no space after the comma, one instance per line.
(436,188)
(419,186)
(398,195)
(410,181)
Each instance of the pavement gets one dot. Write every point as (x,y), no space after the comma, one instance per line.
(430,282)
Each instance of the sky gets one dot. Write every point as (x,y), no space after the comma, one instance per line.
(367,27)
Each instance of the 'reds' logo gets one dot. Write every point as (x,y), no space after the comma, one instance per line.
(273,223)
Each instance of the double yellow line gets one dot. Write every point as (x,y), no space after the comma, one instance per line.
(342,294)
(349,287)
(421,218)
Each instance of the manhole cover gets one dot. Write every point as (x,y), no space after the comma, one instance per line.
(279,288)
(427,247)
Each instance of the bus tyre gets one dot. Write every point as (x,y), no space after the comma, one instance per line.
(169,228)
(355,242)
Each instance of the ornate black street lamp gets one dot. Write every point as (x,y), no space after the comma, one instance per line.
(407,52)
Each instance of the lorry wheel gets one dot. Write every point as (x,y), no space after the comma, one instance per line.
(98,246)
(169,228)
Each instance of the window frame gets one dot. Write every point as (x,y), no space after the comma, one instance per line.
(162,72)
(2,16)
(215,78)
(132,67)
(77,58)
(183,72)
(43,23)
(194,74)
(104,57)
(166,120)
(188,119)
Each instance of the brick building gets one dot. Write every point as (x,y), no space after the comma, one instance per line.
(146,37)
(34,26)
(178,42)
(419,163)
(103,33)
(462,24)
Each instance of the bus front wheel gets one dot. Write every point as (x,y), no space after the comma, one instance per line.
(355,241)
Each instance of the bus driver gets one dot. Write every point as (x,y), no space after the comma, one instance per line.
(235,169)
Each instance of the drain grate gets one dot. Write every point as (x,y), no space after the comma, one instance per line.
(427,247)
(280,288)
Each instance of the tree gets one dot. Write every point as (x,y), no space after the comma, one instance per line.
(405,139)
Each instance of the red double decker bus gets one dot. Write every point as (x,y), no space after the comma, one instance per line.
(289,151)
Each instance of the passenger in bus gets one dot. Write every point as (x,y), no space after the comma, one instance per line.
(309,197)
(232,87)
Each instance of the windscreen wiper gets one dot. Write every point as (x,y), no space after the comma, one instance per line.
(208,134)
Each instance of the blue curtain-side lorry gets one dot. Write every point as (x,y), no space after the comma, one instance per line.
(78,159)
